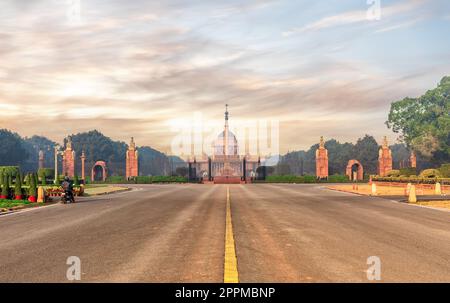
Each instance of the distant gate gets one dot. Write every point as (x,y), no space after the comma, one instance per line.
(99,171)
(355,166)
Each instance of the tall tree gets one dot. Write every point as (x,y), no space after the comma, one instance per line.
(33,145)
(366,151)
(424,122)
(13,150)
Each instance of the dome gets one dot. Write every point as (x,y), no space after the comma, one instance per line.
(218,146)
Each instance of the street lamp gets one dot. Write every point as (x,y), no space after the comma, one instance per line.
(57,152)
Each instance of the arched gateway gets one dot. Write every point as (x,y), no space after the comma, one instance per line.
(99,171)
(355,170)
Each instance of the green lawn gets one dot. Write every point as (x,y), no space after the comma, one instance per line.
(12,203)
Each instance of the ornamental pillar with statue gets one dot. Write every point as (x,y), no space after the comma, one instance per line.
(322,160)
(41,159)
(69,160)
(413,160)
(384,159)
(132,161)
(83,166)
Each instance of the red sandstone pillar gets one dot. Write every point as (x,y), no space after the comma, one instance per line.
(384,159)
(322,160)
(69,160)
(413,159)
(132,160)
(83,160)
(41,159)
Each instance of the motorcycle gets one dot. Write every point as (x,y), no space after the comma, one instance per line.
(67,197)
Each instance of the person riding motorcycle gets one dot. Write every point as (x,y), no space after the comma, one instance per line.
(68,190)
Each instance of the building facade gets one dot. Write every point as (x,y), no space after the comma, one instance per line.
(225,164)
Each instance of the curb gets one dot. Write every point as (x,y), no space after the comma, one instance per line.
(11,211)
(108,193)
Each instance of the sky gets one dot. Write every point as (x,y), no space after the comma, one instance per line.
(145,68)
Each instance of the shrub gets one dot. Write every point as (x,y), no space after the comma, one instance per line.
(46,172)
(5,187)
(338,179)
(408,171)
(116,179)
(143,180)
(430,173)
(18,187)
(57,180)
(291,179)
(76,181)
(393,173)
(32,191)
(445,170)
(9,170)
(309,179)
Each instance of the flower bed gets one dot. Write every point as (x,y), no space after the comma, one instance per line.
(413,180)
(57,191)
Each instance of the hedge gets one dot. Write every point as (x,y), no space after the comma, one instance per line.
(145,180)
(393,173)
(46,172)
(9,170)
(430,173)
(445,170)
(408,171)
(412,179)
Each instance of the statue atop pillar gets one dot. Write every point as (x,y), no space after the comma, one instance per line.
(69,160)
(132,160)
(322,160)
(384,158)
(41,159)
(413,159)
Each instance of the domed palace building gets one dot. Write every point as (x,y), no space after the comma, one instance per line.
(225,165)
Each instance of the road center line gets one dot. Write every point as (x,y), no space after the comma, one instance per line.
(230,271)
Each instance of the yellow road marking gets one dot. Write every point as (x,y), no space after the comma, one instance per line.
(231,272)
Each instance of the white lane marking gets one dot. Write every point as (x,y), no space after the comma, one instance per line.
(16,212)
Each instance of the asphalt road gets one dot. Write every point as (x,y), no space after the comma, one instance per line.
(176,233)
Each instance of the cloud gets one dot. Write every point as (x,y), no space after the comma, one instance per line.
(354,17)
(400,25)
(132,66)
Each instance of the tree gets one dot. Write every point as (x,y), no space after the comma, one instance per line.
(35,144)
(13,151)
(181,171)
(282,169)
(36,179)
(5,187)
(57,181)
(366,150)
(32,192)
(152,162)
(424,122)
(100,147)
(18,188)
